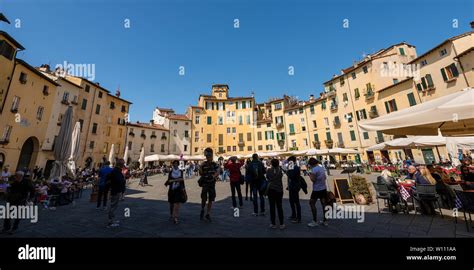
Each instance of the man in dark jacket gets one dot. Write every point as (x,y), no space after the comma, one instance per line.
(257,178)
(18,193)
(117,187)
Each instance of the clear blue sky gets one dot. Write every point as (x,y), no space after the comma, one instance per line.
(200,36)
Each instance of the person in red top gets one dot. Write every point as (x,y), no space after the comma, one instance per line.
(233,166)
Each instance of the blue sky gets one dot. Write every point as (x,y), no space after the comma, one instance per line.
(144,59)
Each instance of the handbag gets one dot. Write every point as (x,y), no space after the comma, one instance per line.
(242,180)
(200,181)
(185,195)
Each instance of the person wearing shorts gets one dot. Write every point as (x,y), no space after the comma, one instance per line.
(209,171)
(318,177)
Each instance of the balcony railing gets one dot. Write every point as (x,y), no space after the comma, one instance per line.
(329,143)
(331,92)
(131,134)
(334,107)
(163,138)
(241,144)
(294,148)
(373,114)
(279,125)
(143,136)
(281,143)
(369,94)
(74,102)
(65,102)
(153,136)
(340,144)
(317,144)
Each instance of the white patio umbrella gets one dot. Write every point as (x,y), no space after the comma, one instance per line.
(125,155)
(62,148)
(342,151)
(452,114)
(112,155)
(154,157)
(314,152)
(142,158)
(75,141)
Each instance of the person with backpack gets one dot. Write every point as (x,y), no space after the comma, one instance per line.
(209,171)
(294,187)
(275,193)
(103,187)
(256,172)
(318,177)
(235,176)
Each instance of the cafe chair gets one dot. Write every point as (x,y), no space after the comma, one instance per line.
(382,192)
(427,193)
(467,202)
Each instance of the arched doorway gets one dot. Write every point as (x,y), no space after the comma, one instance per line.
(28,153)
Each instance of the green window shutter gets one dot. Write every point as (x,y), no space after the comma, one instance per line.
(423,83)
(209,120)
(356,93)
(223,105)
(292,128)
(394,105)
(411,99)
(316,137)
(357,115)
(429,80)
(365,115)
(387,107)
(454,70)
(328,136)
(353,136)
(402,51)
(443,73)
(418,86)
(366,135)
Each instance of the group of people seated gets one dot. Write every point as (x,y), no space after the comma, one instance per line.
(427,175)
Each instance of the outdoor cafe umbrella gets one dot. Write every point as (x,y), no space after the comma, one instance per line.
(142,158)
(75,141)
(62,147)
(125,154)
(452,114)
(112,155)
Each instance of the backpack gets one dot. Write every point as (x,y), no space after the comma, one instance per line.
(256,171)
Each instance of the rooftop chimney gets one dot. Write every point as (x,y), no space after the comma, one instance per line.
(472,25)
(152,122)
(311,97)
(117,93)
(44,68)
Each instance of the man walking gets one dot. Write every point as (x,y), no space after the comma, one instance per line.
(233,166)
(103,188)
(318,177)
(20,191)
(117,187)
(209,171)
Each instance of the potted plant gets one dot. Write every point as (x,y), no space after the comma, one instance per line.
(360,189)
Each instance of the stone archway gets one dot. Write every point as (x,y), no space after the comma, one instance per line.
(28,153)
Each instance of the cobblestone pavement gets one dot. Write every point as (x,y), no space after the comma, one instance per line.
(149,217)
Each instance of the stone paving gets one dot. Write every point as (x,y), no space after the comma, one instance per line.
(149,217)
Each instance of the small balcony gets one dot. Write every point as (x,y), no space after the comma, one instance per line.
(131,134)
(281,143)
(279,125)
(373,114)
(74,102)
(331,92)
(333,107)
(340,144)
(294,148)
(163,138)
(153,136)
(370,94)
(329,143)
(317,144)
(241,144)
(143,136)
(336,122)
(65,102)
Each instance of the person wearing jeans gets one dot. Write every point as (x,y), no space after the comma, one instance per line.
(318,177)
(117,187)
(256,172)
(103,187)
(233,166)
(275,193)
